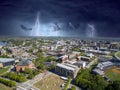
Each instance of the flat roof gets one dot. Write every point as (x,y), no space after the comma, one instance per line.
(104,64)
(66,66)
(98,71)
(3,60)
(80,62)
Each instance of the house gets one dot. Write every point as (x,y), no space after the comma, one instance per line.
(6,62)
(22,65)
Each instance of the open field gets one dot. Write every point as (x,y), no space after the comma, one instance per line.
(3,87)
(51,82)
(113,74)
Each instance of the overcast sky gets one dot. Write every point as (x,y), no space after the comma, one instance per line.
(84,18)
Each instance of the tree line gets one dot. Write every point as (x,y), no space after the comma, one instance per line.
(88,81)
(7,82)
(15,76)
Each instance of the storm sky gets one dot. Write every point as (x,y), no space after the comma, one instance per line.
(83,18)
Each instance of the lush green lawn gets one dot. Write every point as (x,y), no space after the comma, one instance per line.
(113,75)
(52,82)
(3,87)
(3,70)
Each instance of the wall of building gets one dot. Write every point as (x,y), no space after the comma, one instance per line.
(22,68)
(66,72)
(1,65)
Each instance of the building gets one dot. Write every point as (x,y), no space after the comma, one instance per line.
(67,70)
(83,58)
(98,71)
(63,58)
(80,64)
(2,44)
(90,55)
(22,65)
(73,55)
(6,62)
(105,65)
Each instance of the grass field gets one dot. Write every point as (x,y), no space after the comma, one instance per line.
(3,87)
(51,82)
(3,70)
(113,74)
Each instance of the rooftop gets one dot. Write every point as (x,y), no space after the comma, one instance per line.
(80,62)
(98,71)
(24,63)
(68,66)
(104,64)
(4,60)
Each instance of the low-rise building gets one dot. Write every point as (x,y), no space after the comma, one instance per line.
(98,71)
(63,58)
(83,58)
(22,65)
(67,70)
(90,55)
(80,64)
(6,61)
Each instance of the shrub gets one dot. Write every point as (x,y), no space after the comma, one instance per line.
(7,82)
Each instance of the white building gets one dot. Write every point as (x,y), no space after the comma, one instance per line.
(80,64)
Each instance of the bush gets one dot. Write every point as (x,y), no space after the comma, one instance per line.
(114,86)
(52,67)
(90,81)
(36,72)
(15,76)
(67,84)
(7,82)
(73,88)
(41,66)
(30,76)
(27,71)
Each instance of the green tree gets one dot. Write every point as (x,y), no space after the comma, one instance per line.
(76,49)
(90,81)
(73,88)
(41,66)
(36,72)
(27,71)
(15,76)
(30,76)
(67,84)
(49,58)
(52,67)
(114,86)
(7,82)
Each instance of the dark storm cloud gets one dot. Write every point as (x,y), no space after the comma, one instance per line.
(104,14)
